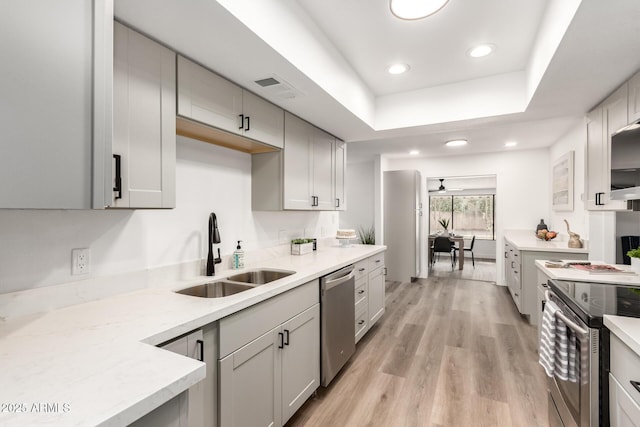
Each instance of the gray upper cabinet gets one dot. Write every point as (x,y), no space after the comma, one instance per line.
(56,103)
(301,176)
(634,98)
(340,172)
(602,122)
(144,125)
(210,99)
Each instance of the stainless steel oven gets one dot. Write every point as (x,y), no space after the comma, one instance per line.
(577,404)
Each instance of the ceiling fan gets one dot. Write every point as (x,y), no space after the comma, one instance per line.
(440,189)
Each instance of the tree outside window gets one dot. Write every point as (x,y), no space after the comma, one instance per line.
(467,215)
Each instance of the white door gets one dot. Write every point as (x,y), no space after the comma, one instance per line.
(208,98)
(264,121)
(297,164)
(340,168)
(323,172)
(376,295)
(250,383)
(144,128)
(300,360)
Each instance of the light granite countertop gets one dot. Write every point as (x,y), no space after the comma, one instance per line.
(574,275)
(526,240)
(98,361)
(626,328)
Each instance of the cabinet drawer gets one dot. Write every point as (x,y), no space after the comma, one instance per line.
(516,294)
(625,367)
(361,291)
(376,261)
(361,268)
(245,326)
(361,323)
(624,410)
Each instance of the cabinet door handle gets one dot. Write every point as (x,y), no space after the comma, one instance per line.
(512,264)
(361,322)
(378,260)
(314,200)
(506,255)
(247,121)
(361,269)
(201,344)
(281,338)
(361,291)
(241,121)
(337,203)
(542,304)
(384,271)
(599,200)
(118,178)
(286,337)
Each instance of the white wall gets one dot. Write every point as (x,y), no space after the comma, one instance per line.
(360,196)
(574,140)
(521,191)
(36,244)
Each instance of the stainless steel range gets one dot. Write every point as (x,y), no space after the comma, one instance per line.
(585,402)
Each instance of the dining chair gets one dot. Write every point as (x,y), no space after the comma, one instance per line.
(470,249)
(442,244)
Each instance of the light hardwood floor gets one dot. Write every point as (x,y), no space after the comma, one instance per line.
(448,352)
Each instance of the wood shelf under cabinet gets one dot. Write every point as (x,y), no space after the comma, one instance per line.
(202,132)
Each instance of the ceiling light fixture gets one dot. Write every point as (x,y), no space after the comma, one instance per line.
(456,143)
(481,50)
(441,189)
(414,152)
(510,144)
(412,9)
(398,69)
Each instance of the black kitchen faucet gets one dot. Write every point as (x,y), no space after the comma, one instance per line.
(214,237)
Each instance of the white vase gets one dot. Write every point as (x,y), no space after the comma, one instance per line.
(445,233)
(635,264)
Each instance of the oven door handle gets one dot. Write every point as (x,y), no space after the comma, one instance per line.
(570,323)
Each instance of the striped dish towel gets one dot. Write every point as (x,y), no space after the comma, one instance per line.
(547,346)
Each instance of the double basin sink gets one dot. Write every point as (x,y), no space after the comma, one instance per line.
(236,283)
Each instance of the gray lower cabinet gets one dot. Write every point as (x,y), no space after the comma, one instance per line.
(57,69)
(270,359)
(376,295)
(521,276)
(171,414)
(144,125)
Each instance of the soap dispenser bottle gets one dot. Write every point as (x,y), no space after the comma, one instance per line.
(238,257)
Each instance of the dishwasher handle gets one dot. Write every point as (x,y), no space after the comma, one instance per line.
(331,282)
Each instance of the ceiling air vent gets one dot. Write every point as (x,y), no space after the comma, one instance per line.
(270,81)
(277,87)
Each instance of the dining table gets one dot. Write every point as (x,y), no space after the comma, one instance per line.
(459,240)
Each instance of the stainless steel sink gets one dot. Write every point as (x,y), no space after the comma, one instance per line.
(260,277)
(215,289)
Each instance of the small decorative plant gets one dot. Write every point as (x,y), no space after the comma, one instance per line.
(444,222)
(301,241)
(634,253)
(301,246)
(367,235)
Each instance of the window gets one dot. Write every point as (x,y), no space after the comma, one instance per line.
(467,215)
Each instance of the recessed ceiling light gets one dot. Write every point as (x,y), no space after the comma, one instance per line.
(481,50)
(398,68)
(412,9)
(456,143)
(414,152)
(510,144)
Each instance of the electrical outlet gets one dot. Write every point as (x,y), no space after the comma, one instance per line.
(80,261)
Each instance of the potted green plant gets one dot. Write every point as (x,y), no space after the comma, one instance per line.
(634,254)
(367,235)
(444,222)
(301,246)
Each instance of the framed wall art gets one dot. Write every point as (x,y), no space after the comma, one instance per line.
(562,183)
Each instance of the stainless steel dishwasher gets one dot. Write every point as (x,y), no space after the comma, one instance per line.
(337,317)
